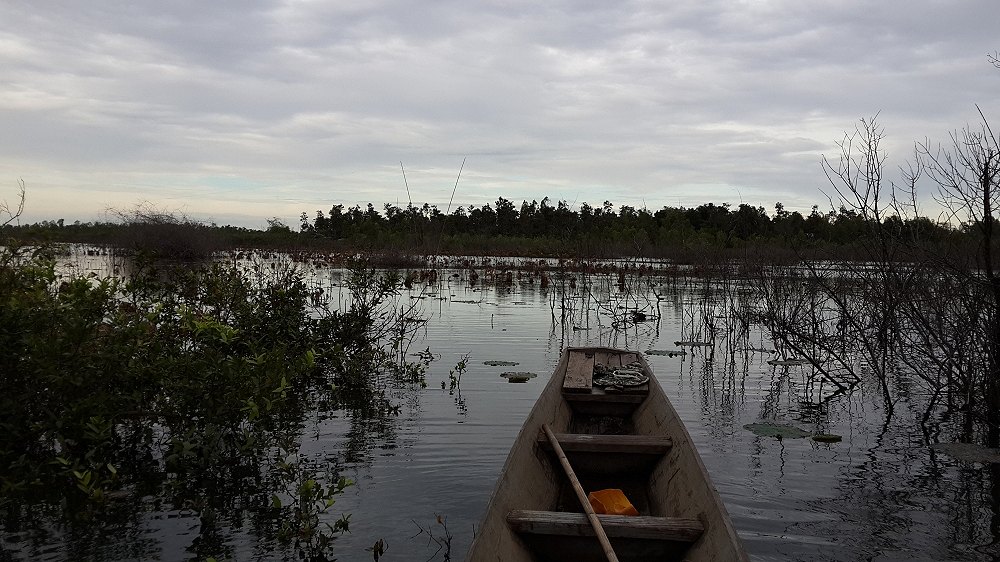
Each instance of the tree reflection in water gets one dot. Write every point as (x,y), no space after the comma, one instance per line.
(882,493)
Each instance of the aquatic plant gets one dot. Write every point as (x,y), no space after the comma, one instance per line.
(184,380)
(778,430)
(455,375)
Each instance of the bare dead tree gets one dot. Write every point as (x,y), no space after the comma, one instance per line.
(918,303)
(856,176)
(922,300)
(870,314)
(12,214)
(967,175)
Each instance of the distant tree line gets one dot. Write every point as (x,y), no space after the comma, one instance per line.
(531,228)
(720,226)
(165,236)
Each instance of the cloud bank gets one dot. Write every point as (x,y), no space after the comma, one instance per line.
(238,111)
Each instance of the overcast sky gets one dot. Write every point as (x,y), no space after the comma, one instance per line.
(236,111)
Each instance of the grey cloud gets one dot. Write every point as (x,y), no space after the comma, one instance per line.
(639,101)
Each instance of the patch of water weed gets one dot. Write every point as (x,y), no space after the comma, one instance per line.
(424,355)
(667,352)
(518,376)
(969,452)
(780,431)
(791,362)
(496,363)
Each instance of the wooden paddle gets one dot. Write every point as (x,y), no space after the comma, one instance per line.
(581,495)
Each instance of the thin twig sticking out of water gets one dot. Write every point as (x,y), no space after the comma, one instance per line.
(442,542)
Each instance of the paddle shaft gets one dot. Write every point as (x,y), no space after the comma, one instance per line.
(581,495)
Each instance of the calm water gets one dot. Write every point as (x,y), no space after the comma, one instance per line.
(880,494)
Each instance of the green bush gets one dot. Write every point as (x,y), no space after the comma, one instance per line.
(187,380)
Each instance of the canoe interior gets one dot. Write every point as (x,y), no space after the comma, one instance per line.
(531,513)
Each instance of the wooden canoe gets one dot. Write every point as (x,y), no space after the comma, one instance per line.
(628,438)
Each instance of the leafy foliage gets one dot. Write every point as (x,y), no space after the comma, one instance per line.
(589,230)
(191,381)
(543,227)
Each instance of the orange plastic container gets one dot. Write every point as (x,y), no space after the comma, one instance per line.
(612,502)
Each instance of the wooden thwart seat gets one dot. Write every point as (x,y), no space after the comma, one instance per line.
(634,395)
(600,403)
(613,444)
(616,526)
(615,458)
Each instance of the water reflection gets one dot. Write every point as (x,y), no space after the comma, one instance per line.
(879,494)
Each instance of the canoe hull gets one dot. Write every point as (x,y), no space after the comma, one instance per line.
(671,485)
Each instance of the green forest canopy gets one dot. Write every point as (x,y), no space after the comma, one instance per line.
(588,227)
(718,223)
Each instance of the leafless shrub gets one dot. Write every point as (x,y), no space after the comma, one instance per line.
(164,235)
(12,214)
(929,306)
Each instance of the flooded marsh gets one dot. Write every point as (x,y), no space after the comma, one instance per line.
(424,451)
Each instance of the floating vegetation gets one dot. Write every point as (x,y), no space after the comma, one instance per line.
(495,363)
(694,343)
(781,431)
(518,376)
(464,302)
(827,438)
(791,362)
(969,452)
(667,352)
(425,355)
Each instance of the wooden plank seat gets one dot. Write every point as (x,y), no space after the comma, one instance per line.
(579,372)
(597,402)
(610,461)
(598,394)
(610,444)
(616,526)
